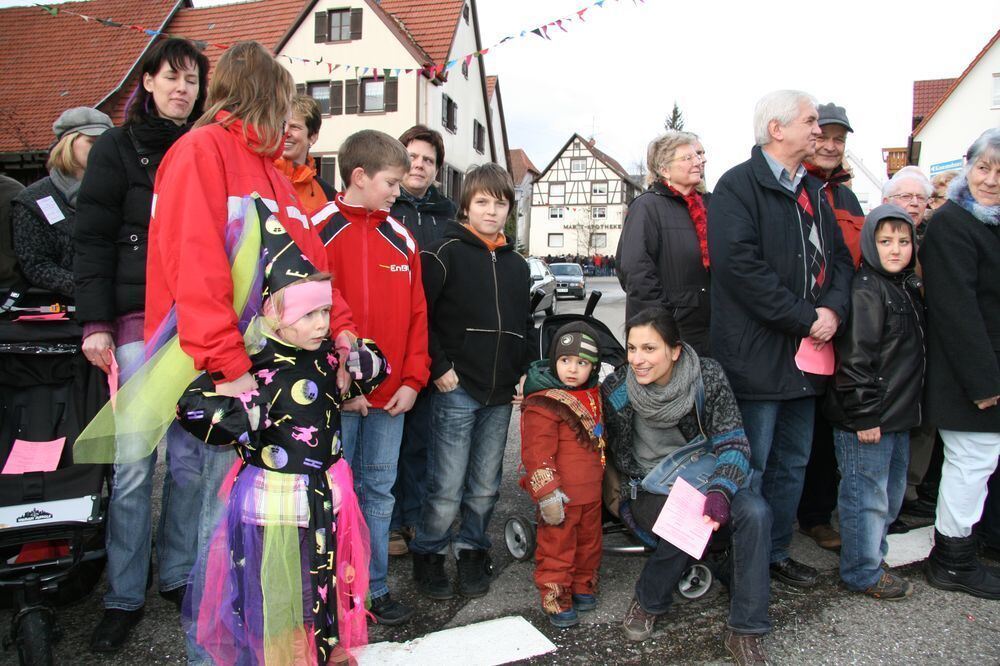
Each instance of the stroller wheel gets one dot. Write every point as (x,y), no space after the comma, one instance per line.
(695,582)
(519,534)
(34,633)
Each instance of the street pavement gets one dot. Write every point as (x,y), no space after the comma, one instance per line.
(823,625)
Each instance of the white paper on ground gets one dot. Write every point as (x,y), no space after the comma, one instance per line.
(912,546)
(487,643)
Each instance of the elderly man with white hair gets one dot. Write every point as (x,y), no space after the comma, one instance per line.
(780,283)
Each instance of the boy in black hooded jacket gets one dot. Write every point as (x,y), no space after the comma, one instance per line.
(876,397)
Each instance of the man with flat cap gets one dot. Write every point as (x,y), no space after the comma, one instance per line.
(819,492)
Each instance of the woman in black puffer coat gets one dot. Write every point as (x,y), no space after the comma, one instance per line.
(112,226)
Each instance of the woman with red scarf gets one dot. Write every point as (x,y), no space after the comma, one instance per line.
(662,256)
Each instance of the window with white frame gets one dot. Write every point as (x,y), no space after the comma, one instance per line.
(372,95)
(599,189)
(555,240)
(599,240)
(555,213)
(320,91)
(557,189)
(600,213)
(578,165)
(996,90)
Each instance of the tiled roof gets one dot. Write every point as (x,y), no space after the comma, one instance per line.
(52,63)
(926,94)
(431,23)
(266,21)
(491,84)
(520,165)
(956,83)
(607,159)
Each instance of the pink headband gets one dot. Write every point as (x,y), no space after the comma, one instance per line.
(301,299)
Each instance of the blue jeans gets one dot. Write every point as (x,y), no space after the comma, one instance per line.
(749,588)
(411,484)
(464,463)
(371,448)
(780,434)
(872,485)
(130,512)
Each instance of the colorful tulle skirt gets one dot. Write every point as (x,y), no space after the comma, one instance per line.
(284,578)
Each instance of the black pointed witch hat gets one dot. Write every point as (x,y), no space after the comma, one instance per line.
(284,262)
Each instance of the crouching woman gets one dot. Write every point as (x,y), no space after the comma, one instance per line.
(662,399)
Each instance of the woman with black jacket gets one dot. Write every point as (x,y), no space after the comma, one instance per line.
(961,260)
(663,252)
(116,199)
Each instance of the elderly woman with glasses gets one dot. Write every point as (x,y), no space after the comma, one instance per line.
(662,256)
(961,259)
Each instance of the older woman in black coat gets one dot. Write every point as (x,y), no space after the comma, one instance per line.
(961,260)
(663,252)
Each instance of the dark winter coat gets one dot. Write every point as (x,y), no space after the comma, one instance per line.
(961,264)
(44,248)
(880,356)
(9,273)
(113,219)
(427,219)
(760,305)
(659,263)
(720,420)
(478,308)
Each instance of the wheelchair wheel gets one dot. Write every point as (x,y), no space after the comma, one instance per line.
(519,535)
(695,582)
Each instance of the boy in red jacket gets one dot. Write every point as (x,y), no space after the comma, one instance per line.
(562,449)
(376,264)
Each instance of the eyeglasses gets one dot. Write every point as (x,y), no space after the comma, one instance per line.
(919,198)
(688,159)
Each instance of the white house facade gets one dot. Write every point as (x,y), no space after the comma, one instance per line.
(578,203)
(971,106)
(385,36)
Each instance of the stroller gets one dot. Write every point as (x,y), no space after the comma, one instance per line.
(620,533)
(51,511)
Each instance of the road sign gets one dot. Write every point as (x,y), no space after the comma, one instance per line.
(940,167)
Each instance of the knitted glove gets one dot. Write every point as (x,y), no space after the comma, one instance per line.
(551,507)
(365,361)
(717,507)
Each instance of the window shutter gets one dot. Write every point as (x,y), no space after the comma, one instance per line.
(336,98)
(391,94)
(351,96)
(300,89)
(322,26)
(444,110)
(454,115)
(355,24)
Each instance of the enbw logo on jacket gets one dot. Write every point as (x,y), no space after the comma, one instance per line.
(396,268)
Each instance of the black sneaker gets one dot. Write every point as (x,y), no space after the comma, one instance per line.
(793,573)
(112,631)
(475,570)
(432,581)
(174,596)
(390,612)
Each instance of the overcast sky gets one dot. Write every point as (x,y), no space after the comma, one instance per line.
(617,75)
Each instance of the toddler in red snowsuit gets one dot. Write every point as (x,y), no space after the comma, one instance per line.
(562,451)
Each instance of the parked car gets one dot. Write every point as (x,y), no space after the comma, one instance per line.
(570,280)
(544,282)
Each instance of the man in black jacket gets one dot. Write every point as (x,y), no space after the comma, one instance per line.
(427,214)
(780,279)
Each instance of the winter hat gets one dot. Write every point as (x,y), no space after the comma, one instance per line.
(82,119)
(868,248)
(574,339)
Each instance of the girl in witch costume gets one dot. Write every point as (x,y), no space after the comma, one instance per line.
(562,450)
(285,574)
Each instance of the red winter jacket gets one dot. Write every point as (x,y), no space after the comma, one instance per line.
(202,179)
(377,267)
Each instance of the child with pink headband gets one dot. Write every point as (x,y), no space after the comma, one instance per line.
(285,575)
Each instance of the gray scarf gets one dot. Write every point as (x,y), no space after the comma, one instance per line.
(666,405)
(958,191)
(68,186)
